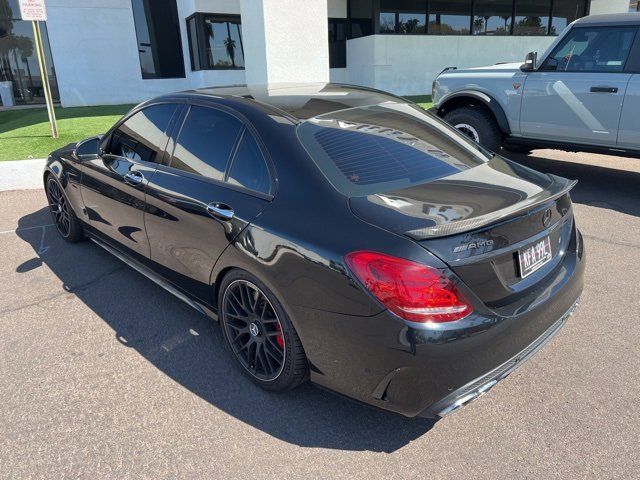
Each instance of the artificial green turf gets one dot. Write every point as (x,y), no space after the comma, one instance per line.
(26,133)
(423,100)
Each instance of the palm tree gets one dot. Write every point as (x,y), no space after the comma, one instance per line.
(231,50)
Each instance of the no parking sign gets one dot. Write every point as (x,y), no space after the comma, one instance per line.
(33,10)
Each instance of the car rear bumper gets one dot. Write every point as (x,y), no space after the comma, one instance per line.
(433,370)
(474,389)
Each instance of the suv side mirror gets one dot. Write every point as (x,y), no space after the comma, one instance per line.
(529,64)
(89,147)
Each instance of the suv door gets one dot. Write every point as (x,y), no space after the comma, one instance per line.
(216,182)
(577,93)
(113,183)
(629,119)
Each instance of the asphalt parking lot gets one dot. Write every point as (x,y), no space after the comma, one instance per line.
(104,375)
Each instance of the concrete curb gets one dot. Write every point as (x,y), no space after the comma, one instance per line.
(21,174)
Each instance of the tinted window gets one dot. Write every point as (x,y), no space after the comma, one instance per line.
(403,16)
(603,49)
(449,18)
(215,42)
(143,137)
(381,148)
(158,34)
(360,18)
(337,43)
(532,17)
(248,168)
(492,17)
(205,142)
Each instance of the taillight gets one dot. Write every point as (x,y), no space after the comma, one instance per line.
(411,290)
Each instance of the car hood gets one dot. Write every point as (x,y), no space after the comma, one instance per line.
(500,67)
(464,201)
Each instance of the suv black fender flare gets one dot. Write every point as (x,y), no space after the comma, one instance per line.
(473,97)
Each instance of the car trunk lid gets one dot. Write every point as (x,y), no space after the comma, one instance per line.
(477,221)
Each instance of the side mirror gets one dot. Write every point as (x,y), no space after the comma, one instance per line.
(529,64)
(88,148)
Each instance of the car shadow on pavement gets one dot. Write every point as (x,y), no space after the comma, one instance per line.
(188,347)
(598,186)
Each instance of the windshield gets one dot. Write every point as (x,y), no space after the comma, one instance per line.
(385,147)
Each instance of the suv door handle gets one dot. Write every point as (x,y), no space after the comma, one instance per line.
(604,89)
(133,178)
(220,210)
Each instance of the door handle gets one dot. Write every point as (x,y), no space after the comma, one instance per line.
(133,178)
(220,210)
(604,89)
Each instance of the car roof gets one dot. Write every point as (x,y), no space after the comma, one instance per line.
(299,100)
(609,19)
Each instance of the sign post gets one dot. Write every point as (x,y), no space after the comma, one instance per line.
(35,11)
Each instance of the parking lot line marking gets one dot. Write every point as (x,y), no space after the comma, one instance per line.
(43,248)
(26,228)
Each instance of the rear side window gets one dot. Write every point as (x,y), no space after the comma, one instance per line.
(596,49)
(143,136)
(206,142)
(248,168)
(377,149)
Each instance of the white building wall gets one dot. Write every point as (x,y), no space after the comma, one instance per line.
(608,6)
(95,52)
(407,64)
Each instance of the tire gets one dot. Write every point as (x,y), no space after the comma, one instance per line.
(517,148)
(259,360)
(64,218)
(478,124)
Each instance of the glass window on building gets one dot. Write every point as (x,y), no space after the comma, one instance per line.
(19,70)
(566,12)
(449,17)
(532,17)
(158,35)
(215,42)
(402,16)
(360,18)
(492,17)
(337,43)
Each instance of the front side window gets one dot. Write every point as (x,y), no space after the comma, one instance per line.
(205,142)
(215,42)
(143,136)
(158,35)
(597,49)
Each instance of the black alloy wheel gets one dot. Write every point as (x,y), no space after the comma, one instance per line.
(253,330)
(59,208)
(64,218)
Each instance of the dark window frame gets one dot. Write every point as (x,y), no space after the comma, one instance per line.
(146,76)
(199,21)
(375,20)
(339,61)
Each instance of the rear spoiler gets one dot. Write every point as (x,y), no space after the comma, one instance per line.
(559,187)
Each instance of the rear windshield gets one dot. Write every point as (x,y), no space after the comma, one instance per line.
(386,147)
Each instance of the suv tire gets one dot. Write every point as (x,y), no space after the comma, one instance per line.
(477,123)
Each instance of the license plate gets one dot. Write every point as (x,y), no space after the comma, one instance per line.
(534,256)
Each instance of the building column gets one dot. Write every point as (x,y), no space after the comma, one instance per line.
(285,41)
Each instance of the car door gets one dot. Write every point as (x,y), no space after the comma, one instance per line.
(217,180)
(114,182)
(628,131)
(576,95)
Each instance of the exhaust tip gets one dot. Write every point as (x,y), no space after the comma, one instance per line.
(460,402)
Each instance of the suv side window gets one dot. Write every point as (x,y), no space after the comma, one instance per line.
(248,168)
(143,136)
(592,49)
(205,142)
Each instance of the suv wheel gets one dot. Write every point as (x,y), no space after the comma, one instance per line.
(478,124)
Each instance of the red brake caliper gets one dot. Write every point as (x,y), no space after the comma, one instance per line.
(279,339)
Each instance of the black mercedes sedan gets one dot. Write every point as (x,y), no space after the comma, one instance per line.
(338,234)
